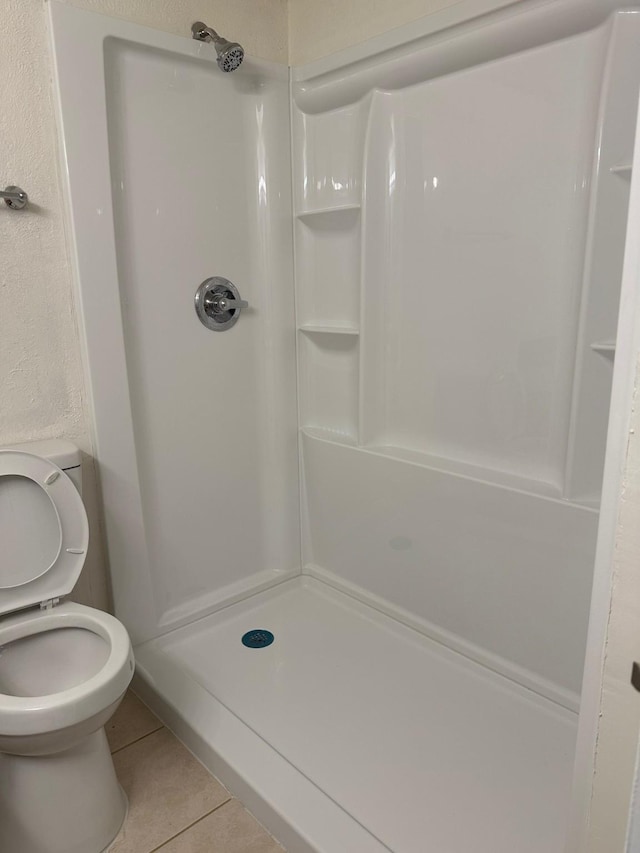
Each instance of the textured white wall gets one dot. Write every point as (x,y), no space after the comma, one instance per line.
(320,27)
(41,377)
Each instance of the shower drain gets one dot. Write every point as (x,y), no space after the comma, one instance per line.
(257,639)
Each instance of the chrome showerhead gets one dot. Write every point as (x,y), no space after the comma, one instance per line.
(230,53)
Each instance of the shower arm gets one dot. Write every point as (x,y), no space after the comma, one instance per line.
(203,33)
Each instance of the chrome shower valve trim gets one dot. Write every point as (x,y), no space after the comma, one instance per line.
(218,304)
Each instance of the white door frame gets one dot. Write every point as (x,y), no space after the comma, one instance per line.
(624,380)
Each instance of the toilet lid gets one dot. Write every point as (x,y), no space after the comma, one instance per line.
(44,531)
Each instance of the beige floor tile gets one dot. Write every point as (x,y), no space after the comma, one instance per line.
(130,722)
(230,829)
(168,790)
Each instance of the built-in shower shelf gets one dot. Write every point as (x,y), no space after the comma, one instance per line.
(623,169)
(333,435)
(312,329)
(328,270)
(606,348)
(322,215)
(588,502)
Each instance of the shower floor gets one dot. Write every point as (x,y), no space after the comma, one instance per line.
(361,734)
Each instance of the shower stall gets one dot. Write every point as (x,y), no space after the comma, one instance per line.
(392,459)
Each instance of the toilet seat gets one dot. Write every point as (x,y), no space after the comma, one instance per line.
(44,584)
(23,588)
(22,716)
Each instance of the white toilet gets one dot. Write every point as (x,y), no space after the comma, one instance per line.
(63,667)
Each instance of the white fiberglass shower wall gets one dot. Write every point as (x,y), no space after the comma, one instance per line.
(452,242)
(198,464)
(459,246)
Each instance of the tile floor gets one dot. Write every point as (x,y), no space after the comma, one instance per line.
(175,805)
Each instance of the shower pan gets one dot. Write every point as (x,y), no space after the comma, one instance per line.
(353,538)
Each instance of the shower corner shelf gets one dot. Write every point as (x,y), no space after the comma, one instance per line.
(320,329)
(623,170)
(316,215)
(332,435)
(605,348)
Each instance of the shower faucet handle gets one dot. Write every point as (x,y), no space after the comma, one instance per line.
(218,303)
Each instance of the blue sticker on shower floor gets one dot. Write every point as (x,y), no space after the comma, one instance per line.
(257,639)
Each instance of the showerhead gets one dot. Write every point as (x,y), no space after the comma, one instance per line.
(230,53)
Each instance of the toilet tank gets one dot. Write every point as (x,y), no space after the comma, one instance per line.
(61,452)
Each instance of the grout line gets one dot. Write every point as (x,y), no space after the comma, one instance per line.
(186,828)
(138,739)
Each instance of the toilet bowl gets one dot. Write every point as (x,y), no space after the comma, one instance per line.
(64,667)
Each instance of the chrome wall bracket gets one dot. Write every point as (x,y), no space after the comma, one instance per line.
(14,197)
(218,304)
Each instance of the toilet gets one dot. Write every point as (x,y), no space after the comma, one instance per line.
(64,667)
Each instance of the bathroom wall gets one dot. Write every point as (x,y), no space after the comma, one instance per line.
(317,29)
(41,376)
(320,28)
